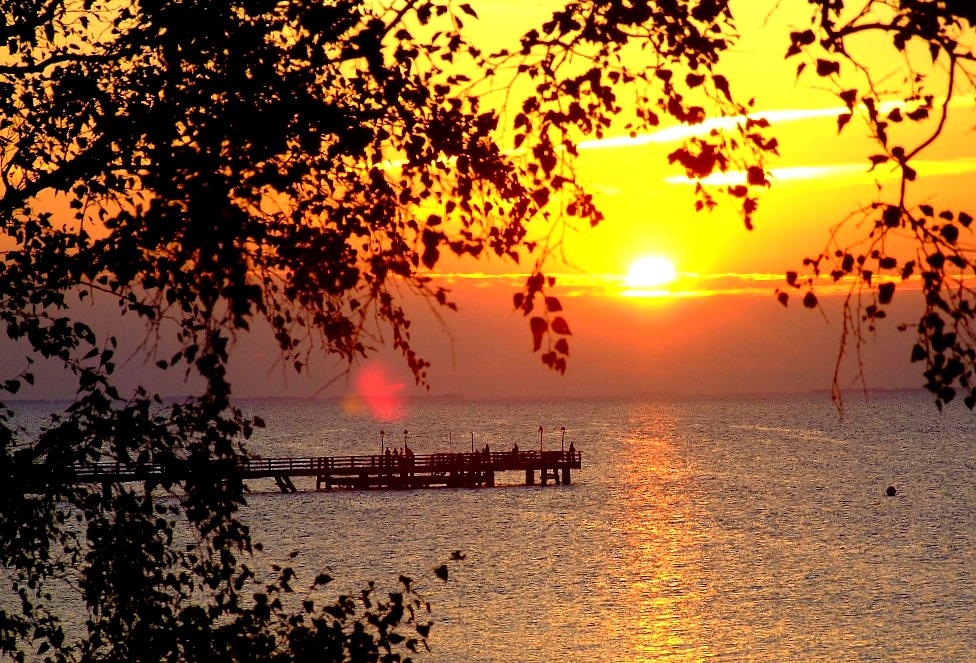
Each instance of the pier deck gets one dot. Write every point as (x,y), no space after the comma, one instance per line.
(365,472)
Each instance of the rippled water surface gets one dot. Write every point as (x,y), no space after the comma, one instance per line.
(747,529)
(736,529)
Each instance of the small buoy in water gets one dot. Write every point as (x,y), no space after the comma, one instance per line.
(891,491)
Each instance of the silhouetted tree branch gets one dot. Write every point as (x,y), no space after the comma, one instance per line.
(943,262)
(304,163)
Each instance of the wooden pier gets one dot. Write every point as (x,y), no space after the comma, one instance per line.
(363,472)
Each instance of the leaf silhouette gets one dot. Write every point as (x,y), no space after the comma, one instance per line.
(560,326)
(539,327)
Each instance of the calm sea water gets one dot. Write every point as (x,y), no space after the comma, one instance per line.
(739,529)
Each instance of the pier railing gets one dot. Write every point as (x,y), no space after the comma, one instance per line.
(369,471)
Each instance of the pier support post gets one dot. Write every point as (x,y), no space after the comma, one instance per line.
(285,484)
(567,476)
(529,477)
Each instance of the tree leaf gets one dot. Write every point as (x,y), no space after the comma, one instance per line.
(950,233)
(827,67)
(918,353)
(539,327)
(892,216)
(885,292)
(431,241)
(756,176)
(849,97)
(722,85)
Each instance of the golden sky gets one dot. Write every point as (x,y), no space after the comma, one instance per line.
(719,328)
(716,329)
(818,180)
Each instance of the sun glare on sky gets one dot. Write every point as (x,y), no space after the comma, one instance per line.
(648,277)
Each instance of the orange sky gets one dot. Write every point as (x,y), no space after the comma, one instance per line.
(820,177)
(721,330)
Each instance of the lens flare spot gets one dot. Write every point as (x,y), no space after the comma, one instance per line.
(379,393)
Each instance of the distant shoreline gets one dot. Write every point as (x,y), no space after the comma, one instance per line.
(460,398)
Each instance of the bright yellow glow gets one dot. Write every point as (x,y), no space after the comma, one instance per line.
(648,276)
(651,272)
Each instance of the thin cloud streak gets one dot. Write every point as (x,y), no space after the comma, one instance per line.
(687,285)
(730,123)
(683,131)
(836,171)
(726,123)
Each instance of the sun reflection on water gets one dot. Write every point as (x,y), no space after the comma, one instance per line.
(666,588)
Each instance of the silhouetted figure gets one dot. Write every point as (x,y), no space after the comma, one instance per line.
(515,449)
(387,454)
(572,450)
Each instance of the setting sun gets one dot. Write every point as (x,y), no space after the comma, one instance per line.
(647,276)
